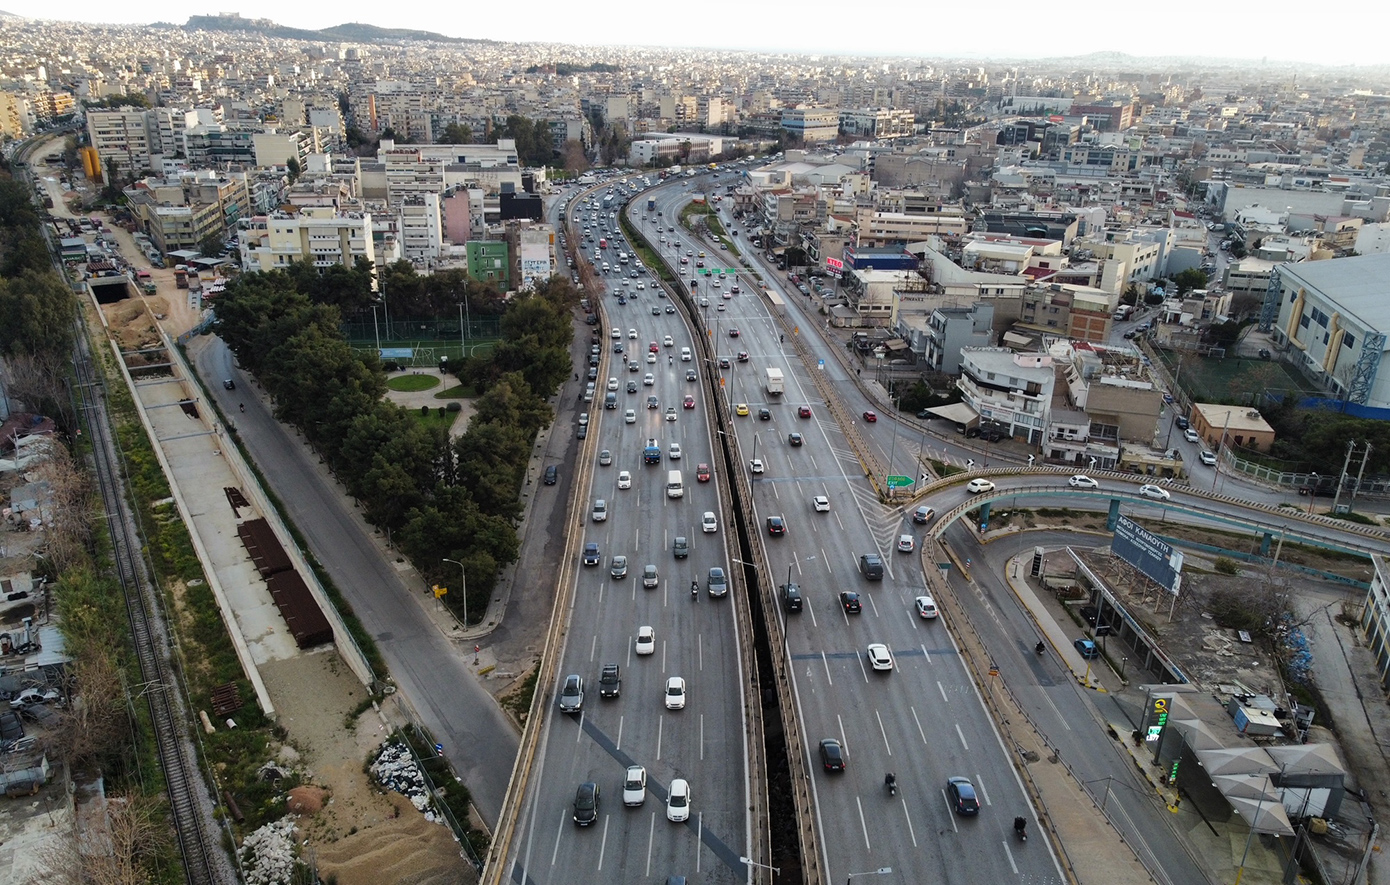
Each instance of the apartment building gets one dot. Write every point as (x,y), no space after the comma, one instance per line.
(49,106)
(121,136)
(947,330)
(180,212)
(16,118)
(278,148)
(1079,313)
(489,261)
(421,228)
(1007,388)
(812,124)
(320,234)
(1116,394)
(532,248)
(218,146)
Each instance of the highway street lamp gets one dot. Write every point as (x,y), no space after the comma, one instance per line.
(463,576)
(797,562)
(1312,491)
(753,863)
(881,871)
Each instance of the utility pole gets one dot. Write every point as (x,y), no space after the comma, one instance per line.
(1342,478)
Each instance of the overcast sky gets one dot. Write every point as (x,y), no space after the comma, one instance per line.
(997,29)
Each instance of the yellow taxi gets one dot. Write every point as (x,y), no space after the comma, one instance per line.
(741,410)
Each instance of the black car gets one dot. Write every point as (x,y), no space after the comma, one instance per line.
(850,600)
(832,755)
(586,804)
(229,384)
(961,794)
(794,439)
(776,525)
(552,474)
(871,566)
(764,414)
(610,681)
(591,555)
(791,597)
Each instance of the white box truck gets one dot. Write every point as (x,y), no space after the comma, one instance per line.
(675,486)
(774,382)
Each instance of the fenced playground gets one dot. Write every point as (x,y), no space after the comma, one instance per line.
(1210,379)
(416,343)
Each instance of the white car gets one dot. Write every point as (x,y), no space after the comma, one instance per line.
(821,503)
(630,416)
(926,607)
(646,640)
(600,510)
(906,543)
(1082,481)
(1153,491)
(1208,458)
(675,693)
(631,333)
(612,383)
(975,486)
(756,465)
(685,354)
(624,477)
(651,357)
(671,415)
(1191,435)
(674,452)
(880,658)
(668,341)
(708,523)
(678,801)
(617,334)
(635,786)
(648,379)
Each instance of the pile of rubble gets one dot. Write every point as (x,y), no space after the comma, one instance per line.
(395,769)
(267,855)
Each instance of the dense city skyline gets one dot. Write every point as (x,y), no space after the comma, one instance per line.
(1186,29)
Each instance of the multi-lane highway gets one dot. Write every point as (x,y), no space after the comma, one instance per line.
(694,639)
(921,720)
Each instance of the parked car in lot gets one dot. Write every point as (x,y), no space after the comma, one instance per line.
(1087,648)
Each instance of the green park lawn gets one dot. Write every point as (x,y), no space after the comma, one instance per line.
(412,383)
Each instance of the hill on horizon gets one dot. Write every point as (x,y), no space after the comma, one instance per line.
(352,32)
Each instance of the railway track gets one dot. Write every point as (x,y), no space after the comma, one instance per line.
(196,837)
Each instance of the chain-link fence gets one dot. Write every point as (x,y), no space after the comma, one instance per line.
(426,339)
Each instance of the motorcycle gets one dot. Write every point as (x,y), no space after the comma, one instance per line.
(694,590)
(1039,648)
(891,782)
(1021,829)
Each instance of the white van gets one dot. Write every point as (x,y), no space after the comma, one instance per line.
(675,486)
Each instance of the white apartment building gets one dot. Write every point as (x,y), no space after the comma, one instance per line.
(123,136)
(319,233)
(421,228)
(1013,389)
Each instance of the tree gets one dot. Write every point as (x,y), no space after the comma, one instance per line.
(1190,279)
(456,133)
(212,245)
(574,157)
(36,315)
(293,169)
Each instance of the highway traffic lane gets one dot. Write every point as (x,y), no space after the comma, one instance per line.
(478,739)
(924,722)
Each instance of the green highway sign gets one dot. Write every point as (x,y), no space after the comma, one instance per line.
(899,482)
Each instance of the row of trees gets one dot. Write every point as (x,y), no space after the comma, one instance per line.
(439,498)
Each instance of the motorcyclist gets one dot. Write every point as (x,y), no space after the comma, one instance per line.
(1040,648)
(670,360)
(694,589)
(1020,825)
(890,780)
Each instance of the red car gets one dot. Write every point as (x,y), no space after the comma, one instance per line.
(804,411)
(653,348)
(702,473)
(870,417)
(689,401)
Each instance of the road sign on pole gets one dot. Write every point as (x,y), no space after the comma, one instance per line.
(896,481)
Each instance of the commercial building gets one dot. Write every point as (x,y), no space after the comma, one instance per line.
(947,331)
(812,124)
(1232,425)
(877,123)
(1332,319)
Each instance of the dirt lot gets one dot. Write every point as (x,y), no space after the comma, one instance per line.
(362,836)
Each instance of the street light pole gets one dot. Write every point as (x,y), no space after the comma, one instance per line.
(463,575)
(776,871)
(881,871)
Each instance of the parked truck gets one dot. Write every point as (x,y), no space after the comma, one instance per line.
(774,382)
(181,277)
